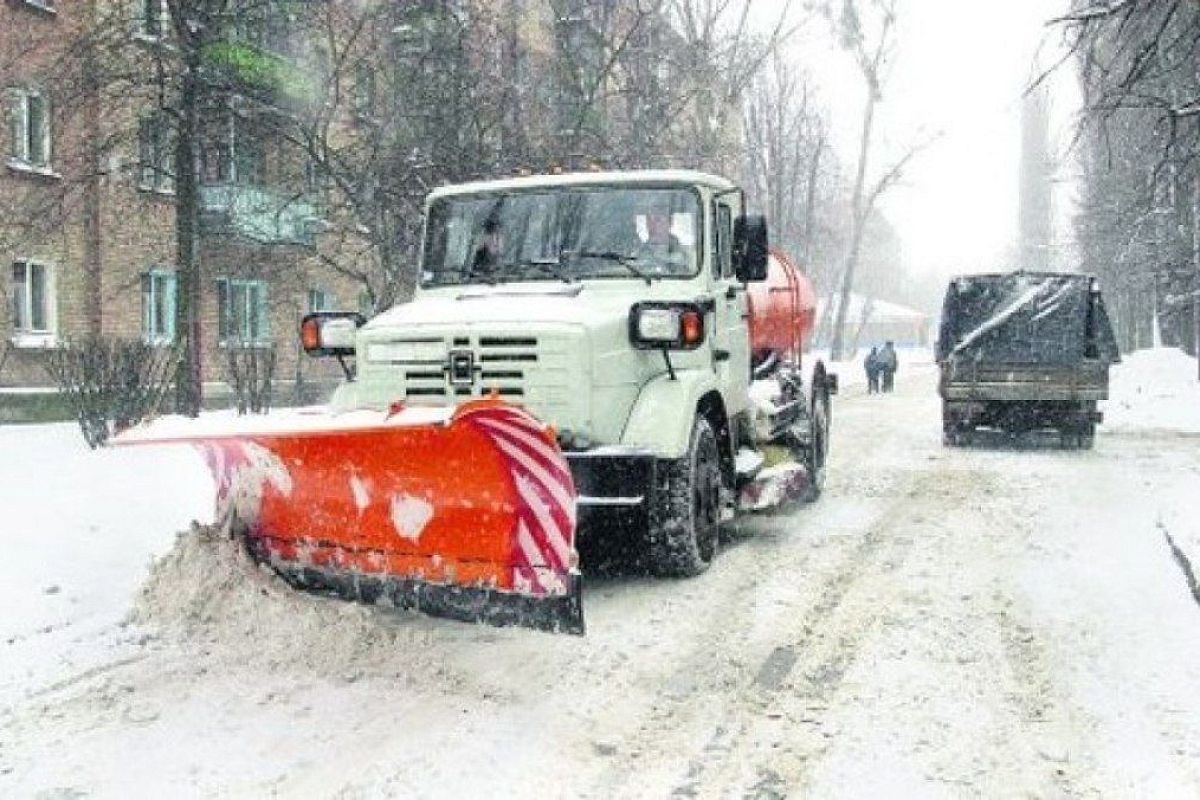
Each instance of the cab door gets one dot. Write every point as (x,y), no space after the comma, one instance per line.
(731,335)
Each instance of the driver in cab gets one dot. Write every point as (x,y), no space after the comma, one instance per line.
(661,250)
(486,260)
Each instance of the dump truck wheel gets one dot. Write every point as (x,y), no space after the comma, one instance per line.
(686,512)
(953,431)
(1087,438)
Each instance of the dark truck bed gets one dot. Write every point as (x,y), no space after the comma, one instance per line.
(1023,351)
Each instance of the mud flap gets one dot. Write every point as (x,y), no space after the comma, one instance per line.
(467,513)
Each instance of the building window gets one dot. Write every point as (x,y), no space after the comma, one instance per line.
(43,5)
(366,305)
(321,300)
(32,296)
(242,312)
(156,154)
(364,91)
(151,18)
(237,159)
(158,306)
(29,127)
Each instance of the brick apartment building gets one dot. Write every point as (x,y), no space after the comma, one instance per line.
(87,212)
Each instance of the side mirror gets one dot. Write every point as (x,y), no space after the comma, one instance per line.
(330,333)
(750,248)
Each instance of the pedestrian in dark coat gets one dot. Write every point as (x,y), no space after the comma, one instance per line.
(888,364)
(871,365)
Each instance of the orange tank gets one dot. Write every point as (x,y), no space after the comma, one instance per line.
(783,310)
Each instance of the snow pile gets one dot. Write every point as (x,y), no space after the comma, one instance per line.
(1154,389)
(209,592)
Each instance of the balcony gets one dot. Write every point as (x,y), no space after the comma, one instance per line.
(275,75)
(258,214)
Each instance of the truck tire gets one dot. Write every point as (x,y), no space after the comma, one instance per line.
(685,513)
(1079,435)
(955,432)
(816,453)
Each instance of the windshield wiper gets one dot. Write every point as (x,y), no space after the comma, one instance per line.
(552,266)
(624,260)
(515,269)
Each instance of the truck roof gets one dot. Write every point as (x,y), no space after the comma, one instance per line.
(1029,272)
(630,177)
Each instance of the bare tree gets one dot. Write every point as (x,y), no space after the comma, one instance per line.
(1140,137)
(788,159)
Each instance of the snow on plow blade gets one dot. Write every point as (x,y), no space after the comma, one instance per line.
(466,513)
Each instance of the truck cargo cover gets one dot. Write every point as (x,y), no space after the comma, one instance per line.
(1042,318)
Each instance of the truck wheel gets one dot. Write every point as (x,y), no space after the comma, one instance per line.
(685,514)
(815,454)
(1087,436)
(1079,436)
(954,431)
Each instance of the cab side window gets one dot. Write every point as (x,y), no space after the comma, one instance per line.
(723,242)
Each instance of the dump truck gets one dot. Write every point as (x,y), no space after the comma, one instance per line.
(1024,351)
(584,353)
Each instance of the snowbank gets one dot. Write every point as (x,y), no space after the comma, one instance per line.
(1154,389)
(77,529)
(209,593)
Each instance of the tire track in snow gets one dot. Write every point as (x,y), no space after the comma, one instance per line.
(782,729)
(703,715)
(810,657)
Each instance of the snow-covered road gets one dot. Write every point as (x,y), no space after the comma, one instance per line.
(996,621)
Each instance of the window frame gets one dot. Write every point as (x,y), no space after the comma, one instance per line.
(150,330)
(256,315)
(156,157)
(44,6)
(364,92)
(24,333)
(20,131)
(701,223)
(328,300)
(140,28)
(722,240)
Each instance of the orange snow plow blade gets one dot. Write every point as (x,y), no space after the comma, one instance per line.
(467,513)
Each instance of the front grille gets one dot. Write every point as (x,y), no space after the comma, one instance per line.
(499,364)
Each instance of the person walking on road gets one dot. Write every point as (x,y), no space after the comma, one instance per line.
(888,364)
(871,365)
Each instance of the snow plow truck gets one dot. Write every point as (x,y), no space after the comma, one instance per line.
(582,351)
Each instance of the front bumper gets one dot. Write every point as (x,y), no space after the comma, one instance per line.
(612,478)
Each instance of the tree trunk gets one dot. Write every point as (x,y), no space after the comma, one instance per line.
(1196,270)
(92,262)
(810,198)
(858,221)
(188,329)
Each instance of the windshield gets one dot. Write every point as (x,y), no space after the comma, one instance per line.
(562,234)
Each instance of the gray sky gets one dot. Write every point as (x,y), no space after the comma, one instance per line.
(960,68)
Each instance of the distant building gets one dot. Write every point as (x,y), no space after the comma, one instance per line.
(872,322)
(87,207)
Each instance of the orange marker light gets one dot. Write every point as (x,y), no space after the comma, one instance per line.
(692,328)
(310,334)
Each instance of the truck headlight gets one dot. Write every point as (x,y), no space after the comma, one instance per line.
(671,326)
(330,333)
